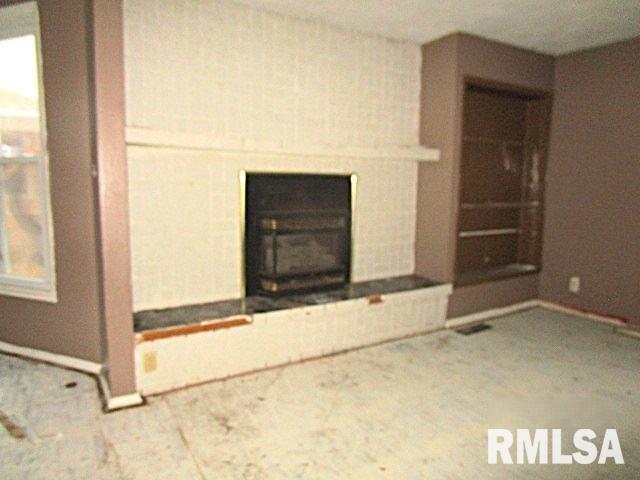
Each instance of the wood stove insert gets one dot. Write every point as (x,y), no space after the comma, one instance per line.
(297,232)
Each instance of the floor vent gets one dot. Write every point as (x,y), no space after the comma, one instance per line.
(478,327)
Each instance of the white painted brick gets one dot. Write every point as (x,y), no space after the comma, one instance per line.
(216,66)
(185,222)
(236,73)
(277,338)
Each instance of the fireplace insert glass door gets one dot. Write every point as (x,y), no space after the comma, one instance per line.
(298,232)
(302,252)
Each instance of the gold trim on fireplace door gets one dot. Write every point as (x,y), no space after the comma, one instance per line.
(242,178)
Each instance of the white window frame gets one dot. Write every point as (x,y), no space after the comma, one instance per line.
(15,21)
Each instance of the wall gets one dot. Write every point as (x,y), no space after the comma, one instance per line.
(112,194)
(185,220)
(227,78)
(71,326)
(435,233)
(287,336)
(241,74)
(455,57)
(592,225)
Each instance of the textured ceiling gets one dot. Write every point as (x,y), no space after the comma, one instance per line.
(549,26)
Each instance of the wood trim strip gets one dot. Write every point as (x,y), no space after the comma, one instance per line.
(375,299)
(482,82)
(151,335)
(581,312)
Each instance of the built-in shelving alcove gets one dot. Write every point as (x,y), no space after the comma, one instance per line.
(501,196)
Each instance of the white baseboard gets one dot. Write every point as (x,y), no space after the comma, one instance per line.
(55,358)
(491,313)
(116,403)
(581,313)
(498,312)
(628,332)
(93,368)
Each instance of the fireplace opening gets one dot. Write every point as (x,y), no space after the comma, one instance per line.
(297,232)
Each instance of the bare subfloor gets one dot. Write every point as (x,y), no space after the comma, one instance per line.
(416,408)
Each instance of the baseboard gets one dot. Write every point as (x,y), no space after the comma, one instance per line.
(491,313)
(498,312)
(54,358)
(86,366)
(628,332)
(112,403)
(610,320)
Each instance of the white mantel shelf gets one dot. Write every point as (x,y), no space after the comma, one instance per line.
(166,139)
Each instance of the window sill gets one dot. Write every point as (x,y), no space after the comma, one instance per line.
(28,291)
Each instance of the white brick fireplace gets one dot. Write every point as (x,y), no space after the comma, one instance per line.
(186,220)
(215,87)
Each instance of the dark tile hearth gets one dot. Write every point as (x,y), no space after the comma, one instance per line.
(189,314)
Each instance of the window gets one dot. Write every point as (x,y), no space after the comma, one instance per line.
(26,240)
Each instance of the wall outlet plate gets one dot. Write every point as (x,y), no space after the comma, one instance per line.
(574,284)
(150,362)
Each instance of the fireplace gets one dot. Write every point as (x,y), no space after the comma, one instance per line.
(297,232)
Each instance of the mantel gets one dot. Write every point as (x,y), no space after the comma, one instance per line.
(171,139)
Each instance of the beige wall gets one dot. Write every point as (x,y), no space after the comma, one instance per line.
(445,64)
(592,225)
(112,195)
(71,326)
(84,100)
(435,232)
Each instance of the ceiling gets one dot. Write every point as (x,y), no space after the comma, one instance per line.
(549,26)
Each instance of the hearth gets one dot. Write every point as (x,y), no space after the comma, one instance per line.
(297,232)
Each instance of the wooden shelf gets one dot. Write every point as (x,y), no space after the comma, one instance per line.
(488,205)
(489,232)
(493,141)
(479,276)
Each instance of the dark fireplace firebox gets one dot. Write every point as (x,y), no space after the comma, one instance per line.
(297,232)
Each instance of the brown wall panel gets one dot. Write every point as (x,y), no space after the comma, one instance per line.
(71,326)
(113,194)
(503,63)
(477,253)
(435,225)
(485,296)
(592,218)
(486,179)
(441,126)
(492,218)
(494,114)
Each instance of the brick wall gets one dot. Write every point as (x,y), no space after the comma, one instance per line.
(286,336)
(242,76)
(211,66)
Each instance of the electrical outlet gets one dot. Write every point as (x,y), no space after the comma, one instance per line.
(574,284)
(150,362)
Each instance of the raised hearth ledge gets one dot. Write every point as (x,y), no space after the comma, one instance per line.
(214,313)
(214,351)
(169,139)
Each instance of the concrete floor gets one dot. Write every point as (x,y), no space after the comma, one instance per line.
(416,408)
